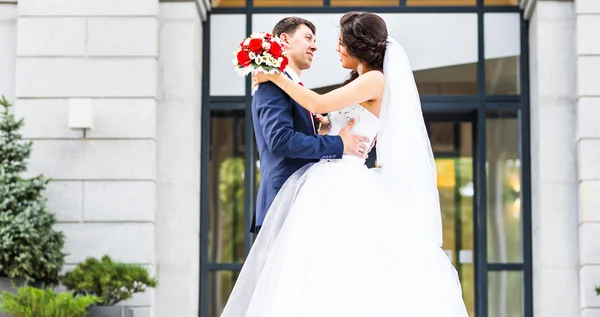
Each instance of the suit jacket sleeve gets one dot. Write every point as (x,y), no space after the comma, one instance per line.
(274,109)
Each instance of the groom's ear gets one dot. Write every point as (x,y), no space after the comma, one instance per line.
(285,39)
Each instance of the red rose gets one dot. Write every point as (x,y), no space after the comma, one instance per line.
(284,63)
(243,58)
(255,45)
(275,50)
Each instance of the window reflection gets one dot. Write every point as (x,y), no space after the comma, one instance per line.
(368,3)
(452,144)
(441,2)
(502,76)
(358,3)
(288,3)
(226,32)
(501,2)
(226,187)
(449,80)
(503,188)
(228,3)
(220,286)
(502,50)
(505,294)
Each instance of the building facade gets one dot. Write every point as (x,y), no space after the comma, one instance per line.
(166,173)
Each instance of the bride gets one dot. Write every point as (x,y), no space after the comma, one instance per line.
(372,247)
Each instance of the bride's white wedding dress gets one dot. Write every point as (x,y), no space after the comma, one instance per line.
(342,240)
(334,244)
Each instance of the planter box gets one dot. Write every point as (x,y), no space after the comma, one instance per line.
(6,285)
(109,311)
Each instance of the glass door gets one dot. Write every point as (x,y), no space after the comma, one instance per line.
(452,141)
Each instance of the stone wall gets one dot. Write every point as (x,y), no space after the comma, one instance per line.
(104,190)
(588,151)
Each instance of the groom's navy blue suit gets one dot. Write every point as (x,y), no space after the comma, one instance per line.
(286,141)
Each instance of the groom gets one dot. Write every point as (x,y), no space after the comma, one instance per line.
(285,132)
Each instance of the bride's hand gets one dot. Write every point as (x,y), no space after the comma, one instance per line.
(260,77)
(324,123)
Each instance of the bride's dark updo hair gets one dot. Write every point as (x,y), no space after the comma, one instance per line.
(364,36)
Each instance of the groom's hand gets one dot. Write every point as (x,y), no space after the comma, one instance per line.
(353,144)
(372,144)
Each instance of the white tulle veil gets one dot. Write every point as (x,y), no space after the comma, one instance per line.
(403,148)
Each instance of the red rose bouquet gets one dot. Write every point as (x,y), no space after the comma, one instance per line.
(261,52)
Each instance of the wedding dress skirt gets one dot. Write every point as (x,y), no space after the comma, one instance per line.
(333,244)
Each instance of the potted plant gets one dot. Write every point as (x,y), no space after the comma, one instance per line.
(110,281)
(30,250)
(34,302)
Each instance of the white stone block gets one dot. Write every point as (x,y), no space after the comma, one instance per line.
(589,279)
(179,142)
(65,199)
(88,7)
(45,118)
(180,208)
(587,6)
(124,242)
(123,118)
(589,248)
(587,34)
(589,156)
(556,293)
(555,51)
(94,159)
(51,37)
(175,295)
(97,77)
(588,117)
(556,142)
(119,201)
(554,10)
(558,226)
(8,38)
(588,68)
(122,37)
(589,201)
(593,312)
(180,61)
(8,11)
(178,11)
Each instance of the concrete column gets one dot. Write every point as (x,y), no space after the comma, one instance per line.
(554,163)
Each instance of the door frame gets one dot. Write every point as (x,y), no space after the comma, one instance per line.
(477,105)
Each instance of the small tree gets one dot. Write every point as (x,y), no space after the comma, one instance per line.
(30,249)
(111,282)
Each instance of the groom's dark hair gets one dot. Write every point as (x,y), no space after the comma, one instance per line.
(289,25)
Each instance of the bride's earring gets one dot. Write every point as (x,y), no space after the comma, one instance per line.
(359,69)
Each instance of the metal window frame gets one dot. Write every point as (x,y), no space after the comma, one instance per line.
(478,104)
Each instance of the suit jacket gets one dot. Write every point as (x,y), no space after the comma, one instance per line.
(286,141)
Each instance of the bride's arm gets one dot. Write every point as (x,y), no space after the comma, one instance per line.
(366,87)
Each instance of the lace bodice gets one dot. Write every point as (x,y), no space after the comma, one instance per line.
(367,124)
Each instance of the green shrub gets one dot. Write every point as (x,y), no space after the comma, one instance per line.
(30,250)
(34,302)
(111,282)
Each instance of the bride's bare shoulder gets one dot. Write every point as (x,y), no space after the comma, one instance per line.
(374,75)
